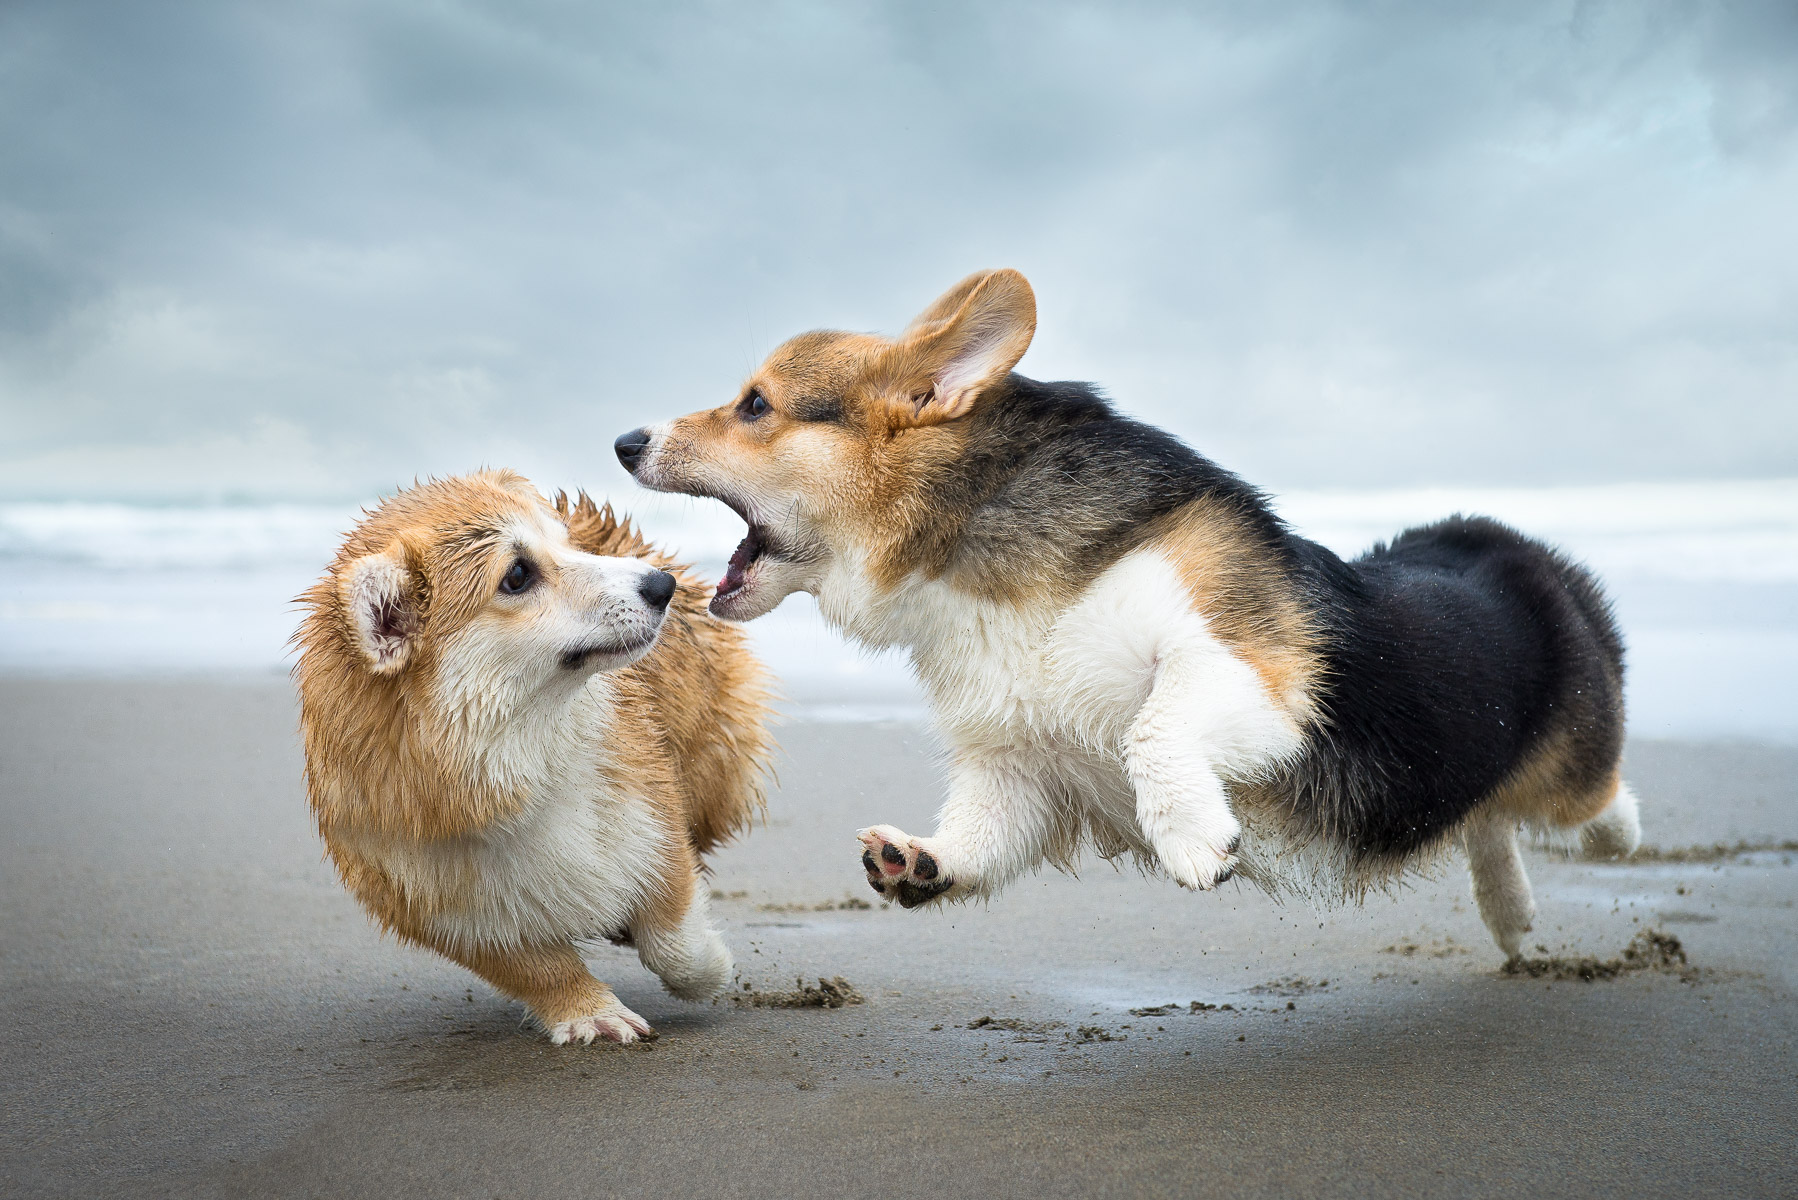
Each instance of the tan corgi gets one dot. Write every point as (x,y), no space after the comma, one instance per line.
(1123,644)
(522,730)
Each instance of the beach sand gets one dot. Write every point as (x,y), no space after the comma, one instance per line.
(193,1007)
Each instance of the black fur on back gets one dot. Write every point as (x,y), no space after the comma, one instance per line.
(1449,654)
(1053,483)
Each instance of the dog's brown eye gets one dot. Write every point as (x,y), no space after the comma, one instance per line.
(754,406)
(518,578)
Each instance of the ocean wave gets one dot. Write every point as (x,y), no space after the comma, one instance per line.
(1743,531)
(137,537)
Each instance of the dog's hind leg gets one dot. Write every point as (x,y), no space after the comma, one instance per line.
(998,822)
(1615,832)
(1500,886)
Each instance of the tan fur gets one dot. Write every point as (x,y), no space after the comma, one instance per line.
(384,766)
(1245,598)
(1543,792)
(552,980)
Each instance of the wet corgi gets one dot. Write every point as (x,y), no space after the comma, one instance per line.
(522,730)
(1122,643)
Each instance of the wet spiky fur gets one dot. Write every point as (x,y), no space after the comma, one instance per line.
(501,816)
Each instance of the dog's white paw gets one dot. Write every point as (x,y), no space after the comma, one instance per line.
(903,868)
(1615,832)
(613,1022)
(1199,864)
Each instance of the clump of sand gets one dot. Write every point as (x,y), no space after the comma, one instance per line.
(1290,987)
(1027,1031)
(1649,950)
(1197,1006)
(830,993)
(848,904)
(1719,852)
(1015,1024)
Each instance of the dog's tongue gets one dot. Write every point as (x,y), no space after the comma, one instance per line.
(740,559)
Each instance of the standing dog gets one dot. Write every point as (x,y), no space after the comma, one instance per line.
(499,764)
(1122,642)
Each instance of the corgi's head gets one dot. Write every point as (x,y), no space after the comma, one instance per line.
(819,450)
(470,589)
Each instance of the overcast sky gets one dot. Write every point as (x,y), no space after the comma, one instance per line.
(312,250)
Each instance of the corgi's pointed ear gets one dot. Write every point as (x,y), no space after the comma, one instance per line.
(966,341)
(380,598)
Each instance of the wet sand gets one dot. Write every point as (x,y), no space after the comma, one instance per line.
(192,1007)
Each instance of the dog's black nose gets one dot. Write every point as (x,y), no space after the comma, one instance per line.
(630,447)
(657,588)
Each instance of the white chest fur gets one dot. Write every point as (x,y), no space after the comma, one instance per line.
(574,862)
(1069,682)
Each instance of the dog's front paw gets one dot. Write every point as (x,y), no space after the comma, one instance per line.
(902,868)
(1198,865)
(611,1021)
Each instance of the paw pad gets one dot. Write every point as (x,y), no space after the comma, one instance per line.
(903,871)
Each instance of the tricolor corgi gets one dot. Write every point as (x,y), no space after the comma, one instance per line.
(1123,644)
(522,731)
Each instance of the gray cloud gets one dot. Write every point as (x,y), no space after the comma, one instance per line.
(319,249)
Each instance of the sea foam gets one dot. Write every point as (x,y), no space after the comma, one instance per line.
(1704,575)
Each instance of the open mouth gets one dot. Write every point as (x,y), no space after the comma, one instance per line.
(751,550)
